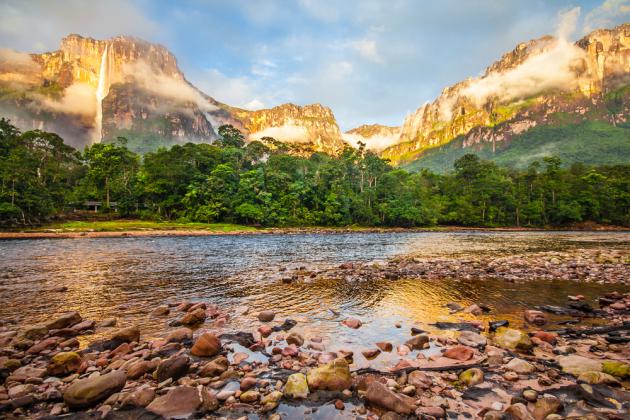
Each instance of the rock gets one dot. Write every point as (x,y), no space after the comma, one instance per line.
(419,379)
(266,316)
(296,386)
(215,368)
(34,332)
(64,321)
(46,344)
(461,353)
(295,338)
(248,383)
(196,317)
(472,339)
(547,337)
(141,397)
(249,397)
(545,406)
(576,365)
(379,395)
(385,346)
(64,363)
(265,330)
(598,378)
(179,335)
(270,401)
(418,342)
(339,405)
(616,368)
(87,392)
(107,322)
(161,310)
(183,402)
(29,371)
(520,366)
(471,377)
(174,367)
(530,395)
(495,325)
(140,368)
(124,335)
(371,354)
(430,412)
(519,411)
(512,339)
(535,317)
(352,323)
(207,345)
(290,351)
(333,376)
(473,309)
(83,326)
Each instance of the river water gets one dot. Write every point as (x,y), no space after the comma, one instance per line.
(127,277)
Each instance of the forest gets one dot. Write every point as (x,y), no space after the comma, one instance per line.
(264,183)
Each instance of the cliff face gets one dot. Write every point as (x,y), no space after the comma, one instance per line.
(525,88)
(91,90)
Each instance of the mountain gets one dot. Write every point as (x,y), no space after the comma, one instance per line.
(546,86)
(96,90)
(375,136)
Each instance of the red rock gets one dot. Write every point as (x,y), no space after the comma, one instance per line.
(462,353)
(339,405)
(266,316)
(385,346)
(352,323)
(207,345)
(371,354)
(547,337)
(198,316)
(290,351)
(46,344)
(618,306)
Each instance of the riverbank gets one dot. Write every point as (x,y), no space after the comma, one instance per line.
(141,228)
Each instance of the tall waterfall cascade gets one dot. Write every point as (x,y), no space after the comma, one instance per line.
(102,89)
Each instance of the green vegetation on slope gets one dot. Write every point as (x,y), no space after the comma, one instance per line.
(591,142)
(128,225)
(230,182)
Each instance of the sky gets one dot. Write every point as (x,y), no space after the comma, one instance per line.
(370,61)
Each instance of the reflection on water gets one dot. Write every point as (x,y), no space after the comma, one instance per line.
(127,277)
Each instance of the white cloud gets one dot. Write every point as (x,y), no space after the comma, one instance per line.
(289,133)
(78,99)
(242,92)
(368,49)
(375,143)
(18,67)
(609,13)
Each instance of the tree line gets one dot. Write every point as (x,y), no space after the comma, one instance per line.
(265,183)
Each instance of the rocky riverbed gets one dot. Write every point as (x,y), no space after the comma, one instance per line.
(475,366)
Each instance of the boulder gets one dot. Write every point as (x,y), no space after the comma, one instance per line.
(161,310)
(419,342)
(519,411)
(616,368)
(184,402)
(472,339)
(419,379)
(575,365)
(249,397)
(64,321)
(64,363)
(46,344)
(379,395)
(266,316)
(124,335)
(598,378)
(206,345)
(296,386)
(87,392)
(512,339)
(215,367)
(174,367)
(520,366)
(196,317)
(371,353)
(34,332)
(140,397)
(333,376)
(352,323)
(546,405)
(461,353)
(179,335)
(295,338)
(140,368)
(385,346)
(471,377)
(270,401)
(535,317)
(547,337)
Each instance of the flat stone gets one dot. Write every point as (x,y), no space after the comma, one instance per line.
(87,392)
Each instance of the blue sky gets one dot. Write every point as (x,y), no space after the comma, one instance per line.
(370,61)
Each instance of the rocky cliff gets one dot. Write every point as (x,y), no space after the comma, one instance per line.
(537,83)
(90,90)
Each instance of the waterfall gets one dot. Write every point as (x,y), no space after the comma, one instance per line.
(102,89)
